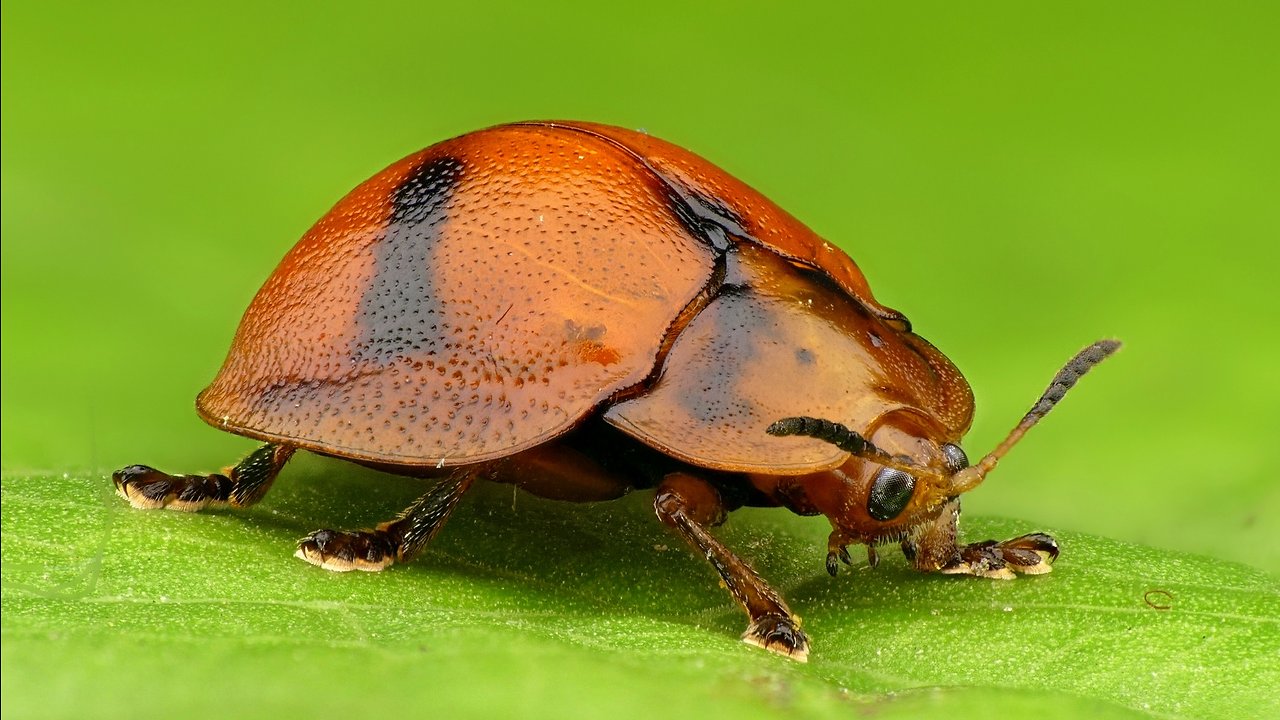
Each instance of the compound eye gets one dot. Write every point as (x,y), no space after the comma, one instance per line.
(956,459)
(890,493)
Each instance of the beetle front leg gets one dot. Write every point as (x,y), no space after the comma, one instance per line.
(394,541)
(934,549)
(690,505)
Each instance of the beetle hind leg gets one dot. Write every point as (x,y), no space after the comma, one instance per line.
(690,504)
(239,486)
(390,542)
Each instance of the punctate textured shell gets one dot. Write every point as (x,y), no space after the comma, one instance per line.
(743,211)
(483,296)
(472,300)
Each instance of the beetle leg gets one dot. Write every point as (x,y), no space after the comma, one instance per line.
(873,557)
(240,486)
(935,549)
(838,550)
(690,505)
(1031,554)
(394,541)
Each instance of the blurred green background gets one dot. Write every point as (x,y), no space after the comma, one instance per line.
(1019,179)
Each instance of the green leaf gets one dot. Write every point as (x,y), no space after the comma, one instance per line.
(540,609)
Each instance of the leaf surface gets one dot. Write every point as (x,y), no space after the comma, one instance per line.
(540,609)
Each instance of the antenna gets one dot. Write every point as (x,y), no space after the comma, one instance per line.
(847,440)
(1076,367)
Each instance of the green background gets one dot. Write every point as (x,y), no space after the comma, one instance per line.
(1020,180)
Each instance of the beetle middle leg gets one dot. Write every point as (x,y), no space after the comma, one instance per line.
(935,549)
(691,505)
(390,542)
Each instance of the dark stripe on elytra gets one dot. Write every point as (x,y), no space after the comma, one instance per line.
(704,218)
(400,310)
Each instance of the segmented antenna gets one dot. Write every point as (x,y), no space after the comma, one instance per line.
(845,439)
(1067,377)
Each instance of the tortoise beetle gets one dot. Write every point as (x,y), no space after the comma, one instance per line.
(582,310)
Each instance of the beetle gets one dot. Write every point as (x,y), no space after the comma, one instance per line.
(582,310)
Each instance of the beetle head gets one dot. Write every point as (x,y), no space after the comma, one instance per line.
(903,474)
(900,480)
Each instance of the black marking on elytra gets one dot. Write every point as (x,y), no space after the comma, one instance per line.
(400,309)
(704,218)
(711,211)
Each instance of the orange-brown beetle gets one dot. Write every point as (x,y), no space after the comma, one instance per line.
(582,310)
